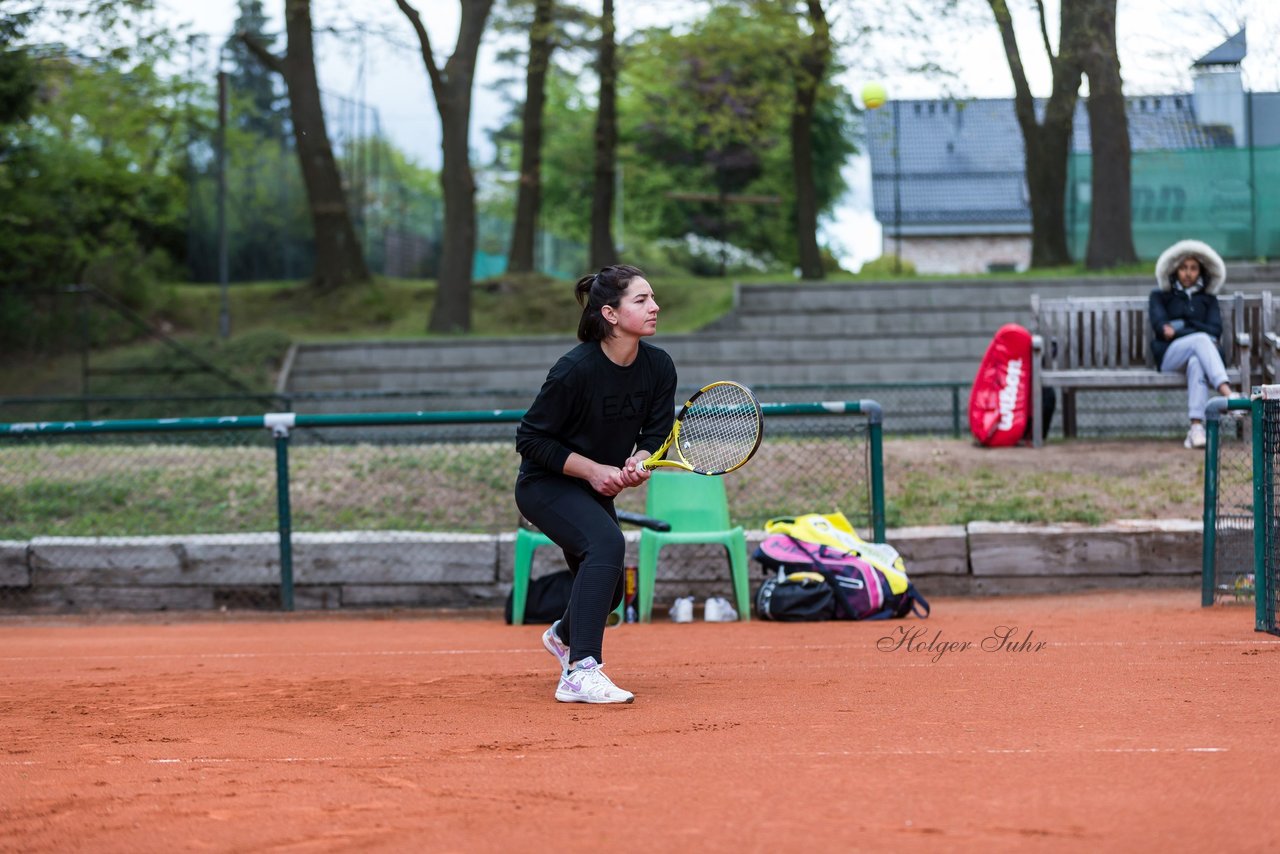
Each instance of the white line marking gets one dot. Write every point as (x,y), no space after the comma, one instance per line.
(977,751)
(862,642)
(338,654)
(1021,750)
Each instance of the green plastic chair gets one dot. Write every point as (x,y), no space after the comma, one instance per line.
(698,510)
(527,542)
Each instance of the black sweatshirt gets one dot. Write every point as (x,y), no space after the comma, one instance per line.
(590,406)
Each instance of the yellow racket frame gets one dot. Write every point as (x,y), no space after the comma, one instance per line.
(659,458)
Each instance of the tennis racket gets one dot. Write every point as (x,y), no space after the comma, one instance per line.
(717,431)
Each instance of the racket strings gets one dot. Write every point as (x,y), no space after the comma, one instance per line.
(721,428)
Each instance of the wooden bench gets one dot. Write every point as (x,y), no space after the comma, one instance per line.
(1105,343)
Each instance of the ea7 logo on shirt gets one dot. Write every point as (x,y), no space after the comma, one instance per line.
(624,405)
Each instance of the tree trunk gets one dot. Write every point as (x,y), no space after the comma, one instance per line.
(603,250)
(452,89)
(1111,213)
(452,311)
(1047,143)
(339,256)
(1048,148)
(809,75)
(529,191)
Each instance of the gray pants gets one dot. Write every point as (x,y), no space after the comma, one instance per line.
(1196,354)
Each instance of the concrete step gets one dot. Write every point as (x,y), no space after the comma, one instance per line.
(928,405)
(809,297)
(777,335)
(496,353)
(876,323)
(749,358)
(922,296)
(431,355)
(441,391)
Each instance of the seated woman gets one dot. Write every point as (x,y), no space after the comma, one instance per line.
(1187,324)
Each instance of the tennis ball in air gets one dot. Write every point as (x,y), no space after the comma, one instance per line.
(873,96)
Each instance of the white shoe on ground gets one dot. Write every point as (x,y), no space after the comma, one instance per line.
(587,683)
(682,610)
(718,610)
(1195,436)
(554,646)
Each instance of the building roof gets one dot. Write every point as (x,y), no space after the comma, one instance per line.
(1230,52)
(963,162)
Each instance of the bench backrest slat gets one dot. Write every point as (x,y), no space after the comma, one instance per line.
(1112,332)
(1104,350)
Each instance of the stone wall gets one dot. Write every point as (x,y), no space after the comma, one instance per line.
(55,574)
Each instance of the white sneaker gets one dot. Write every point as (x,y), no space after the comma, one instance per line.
(587,683)
(1195,436)
(718,610)
(682,610)
(554,646)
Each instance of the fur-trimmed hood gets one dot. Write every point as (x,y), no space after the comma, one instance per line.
(1212,269)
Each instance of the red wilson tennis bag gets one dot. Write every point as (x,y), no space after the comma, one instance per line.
(1000,402)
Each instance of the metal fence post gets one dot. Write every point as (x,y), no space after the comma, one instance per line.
(1209,542)
(955,411)
(1261,518)
(280,424)
(875,434)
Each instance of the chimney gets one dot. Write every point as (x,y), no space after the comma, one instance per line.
(1219,97)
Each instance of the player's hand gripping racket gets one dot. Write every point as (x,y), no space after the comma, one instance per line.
(717,431)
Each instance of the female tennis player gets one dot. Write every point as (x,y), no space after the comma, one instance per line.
(606,405)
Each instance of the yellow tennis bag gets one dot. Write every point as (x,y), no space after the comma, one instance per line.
(835,531)
(868,581)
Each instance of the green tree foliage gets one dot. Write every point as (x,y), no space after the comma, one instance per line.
(93,185)
(694,117)
(17,74)
(268,225)
(262,108)
(566,184)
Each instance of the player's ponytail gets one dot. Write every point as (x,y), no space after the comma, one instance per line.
(595,292)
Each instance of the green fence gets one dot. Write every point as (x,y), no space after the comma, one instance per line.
(916,408)
(319,511)
(1241,556)
(1223,196)
(1227,557)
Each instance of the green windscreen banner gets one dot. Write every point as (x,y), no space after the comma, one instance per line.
(1225,197)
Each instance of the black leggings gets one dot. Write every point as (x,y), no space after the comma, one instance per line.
(585,526)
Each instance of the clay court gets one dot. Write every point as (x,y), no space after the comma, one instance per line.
(1101,722)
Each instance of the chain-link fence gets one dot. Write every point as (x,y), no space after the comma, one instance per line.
(912,409)
(328,511)
(264,231)
(1267,448)
(149,493)
(1228,543)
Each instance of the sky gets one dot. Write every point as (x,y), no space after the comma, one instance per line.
(1158,41)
